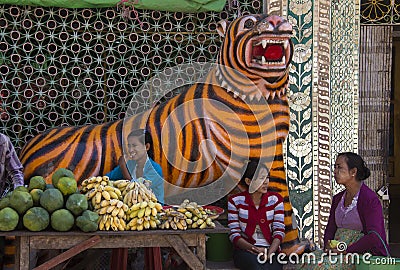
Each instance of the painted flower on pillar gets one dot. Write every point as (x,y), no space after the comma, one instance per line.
(299,101)
(300,7)
(302,53)
(300,147)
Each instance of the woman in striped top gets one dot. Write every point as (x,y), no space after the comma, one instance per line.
(255,218)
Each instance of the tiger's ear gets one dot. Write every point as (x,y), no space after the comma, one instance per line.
(221,27)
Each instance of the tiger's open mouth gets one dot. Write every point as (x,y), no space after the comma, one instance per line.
(269,52)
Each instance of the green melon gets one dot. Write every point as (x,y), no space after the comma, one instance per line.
(62,220)
(67,185)
(88,222)
(37,182)
(21,201)
(8,219)
(36,193)
(61,172)
(76,203)
(51,200)
(36,219)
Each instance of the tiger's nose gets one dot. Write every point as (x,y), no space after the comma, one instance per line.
(274,20)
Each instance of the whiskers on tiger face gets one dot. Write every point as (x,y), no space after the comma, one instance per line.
(263,49)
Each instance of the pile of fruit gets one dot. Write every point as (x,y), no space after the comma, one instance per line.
(99,204)
(58,205)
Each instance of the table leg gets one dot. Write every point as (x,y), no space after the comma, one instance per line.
(184,251)
(201,248)
(22,253)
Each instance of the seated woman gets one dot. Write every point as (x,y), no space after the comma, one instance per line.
(356,208)
(256,221)
(140,163)
(356,216)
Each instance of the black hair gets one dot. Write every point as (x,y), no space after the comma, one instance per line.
(252,168)
(144,137)
(353,160)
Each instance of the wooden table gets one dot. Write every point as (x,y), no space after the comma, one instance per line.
(189,244)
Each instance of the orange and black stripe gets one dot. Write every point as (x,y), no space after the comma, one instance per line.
(241,109)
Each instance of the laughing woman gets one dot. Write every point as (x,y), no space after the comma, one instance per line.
(138,163)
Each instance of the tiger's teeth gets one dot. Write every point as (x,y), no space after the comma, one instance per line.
(224,84)
(235,94)
(267,95)
(259,95)
(244,97)
(272,95)
(228,89)
(263,61)
(285,44)
(264,43)
(251,97)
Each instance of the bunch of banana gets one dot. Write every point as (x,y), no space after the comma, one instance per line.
(97,194)
(121,185)
(172,219)
(143,215)
(94,182)
(197,216)
(112,215)
(136,192)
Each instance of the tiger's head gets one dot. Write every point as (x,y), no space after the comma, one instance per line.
(258,47)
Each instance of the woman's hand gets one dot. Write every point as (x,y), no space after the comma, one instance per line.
(257,250)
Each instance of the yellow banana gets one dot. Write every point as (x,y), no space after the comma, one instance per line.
(115,212)
(154,212)
(166,224)
(118,192)
(203,225)
(108,223)
(113,195)
(147,211)
(104,203)
(110,209)
(134,207)
(141,212)
(143,205)
(179,226)
(108,188)
(106,195)
(153,224)
(98,197)
(103,210)
(158,206)
(173,225)
(114,202)
(146,224)
(93,201)
(120,204)
(134,214)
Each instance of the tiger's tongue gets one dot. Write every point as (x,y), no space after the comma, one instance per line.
(271,53)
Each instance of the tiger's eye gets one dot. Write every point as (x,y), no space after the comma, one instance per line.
(249,23)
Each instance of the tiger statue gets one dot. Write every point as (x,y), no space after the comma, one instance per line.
(207,132)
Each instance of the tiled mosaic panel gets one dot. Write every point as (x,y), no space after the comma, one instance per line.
(380,12)
(61,67)
(299,150)
(344,81)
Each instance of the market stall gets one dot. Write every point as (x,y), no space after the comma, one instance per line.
(189,244)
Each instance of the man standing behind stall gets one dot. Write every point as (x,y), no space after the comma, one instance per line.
(11,173)
(10,167)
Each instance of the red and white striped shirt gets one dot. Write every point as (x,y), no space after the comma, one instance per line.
(243,217)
